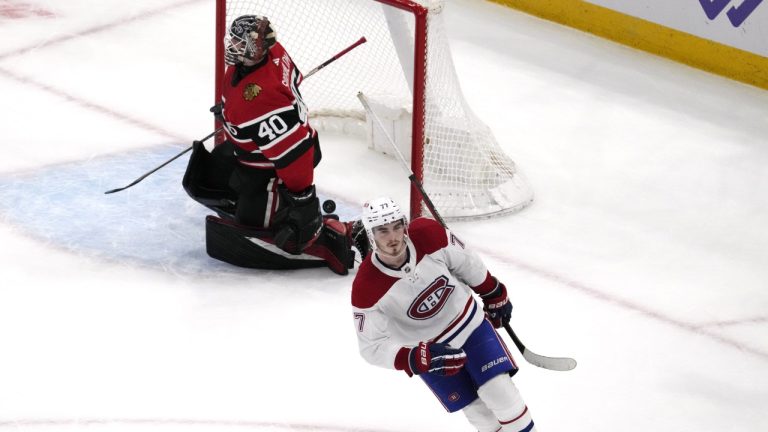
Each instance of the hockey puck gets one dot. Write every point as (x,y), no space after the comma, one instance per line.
(329,206)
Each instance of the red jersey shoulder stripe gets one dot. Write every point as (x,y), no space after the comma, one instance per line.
(427,235)
(370,285)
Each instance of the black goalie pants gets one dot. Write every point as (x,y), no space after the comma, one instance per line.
(216,180)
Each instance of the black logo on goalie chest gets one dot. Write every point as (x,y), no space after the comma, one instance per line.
(431,300)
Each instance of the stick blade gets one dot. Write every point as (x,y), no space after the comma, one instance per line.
(551,363)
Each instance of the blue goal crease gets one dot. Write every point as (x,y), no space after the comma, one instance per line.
(154,223)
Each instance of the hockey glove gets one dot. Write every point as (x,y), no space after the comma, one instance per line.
(497,307)
(299,222)
(359,237)
(436,358)
(217,112)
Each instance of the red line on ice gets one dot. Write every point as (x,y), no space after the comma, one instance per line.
(624,304)
(91,105)
(20,10)
(80,101)
(99,28)
(28,423)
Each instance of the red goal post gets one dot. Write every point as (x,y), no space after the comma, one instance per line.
(407,66)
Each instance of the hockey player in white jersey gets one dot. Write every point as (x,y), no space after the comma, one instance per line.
(415,310)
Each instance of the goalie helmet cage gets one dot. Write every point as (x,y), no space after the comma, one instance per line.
(406,59)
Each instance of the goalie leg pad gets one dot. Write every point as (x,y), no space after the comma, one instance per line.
(251,247)
(254,248)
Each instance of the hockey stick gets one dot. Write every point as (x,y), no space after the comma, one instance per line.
(551,363)
(165,163)
(403,163)
(360,41)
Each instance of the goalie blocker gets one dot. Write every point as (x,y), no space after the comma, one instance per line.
(255,248)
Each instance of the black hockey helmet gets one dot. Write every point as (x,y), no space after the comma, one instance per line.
(248,40)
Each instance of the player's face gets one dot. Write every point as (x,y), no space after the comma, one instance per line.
(390,239)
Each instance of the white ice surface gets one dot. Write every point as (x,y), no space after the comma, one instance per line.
(644,256)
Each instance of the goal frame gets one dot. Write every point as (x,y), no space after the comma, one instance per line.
(452,152)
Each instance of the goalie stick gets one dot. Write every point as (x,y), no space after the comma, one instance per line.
(551,363)
(165,163)
(360,41)
(334,58)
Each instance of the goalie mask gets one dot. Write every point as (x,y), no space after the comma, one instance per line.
(248,40)
(378,212)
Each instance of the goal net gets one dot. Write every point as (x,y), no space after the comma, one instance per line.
(406,68)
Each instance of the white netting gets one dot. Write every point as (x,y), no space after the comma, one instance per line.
(465,172)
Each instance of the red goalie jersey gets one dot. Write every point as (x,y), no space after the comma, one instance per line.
(266,118)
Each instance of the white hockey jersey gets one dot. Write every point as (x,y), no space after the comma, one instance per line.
(429,298)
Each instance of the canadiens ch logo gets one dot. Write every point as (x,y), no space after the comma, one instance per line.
(431,300)
(251,91)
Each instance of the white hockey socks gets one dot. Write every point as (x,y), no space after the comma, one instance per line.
(501,396)
(479,416)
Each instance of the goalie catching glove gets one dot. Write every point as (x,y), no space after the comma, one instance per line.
(299,222)
(436,358)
